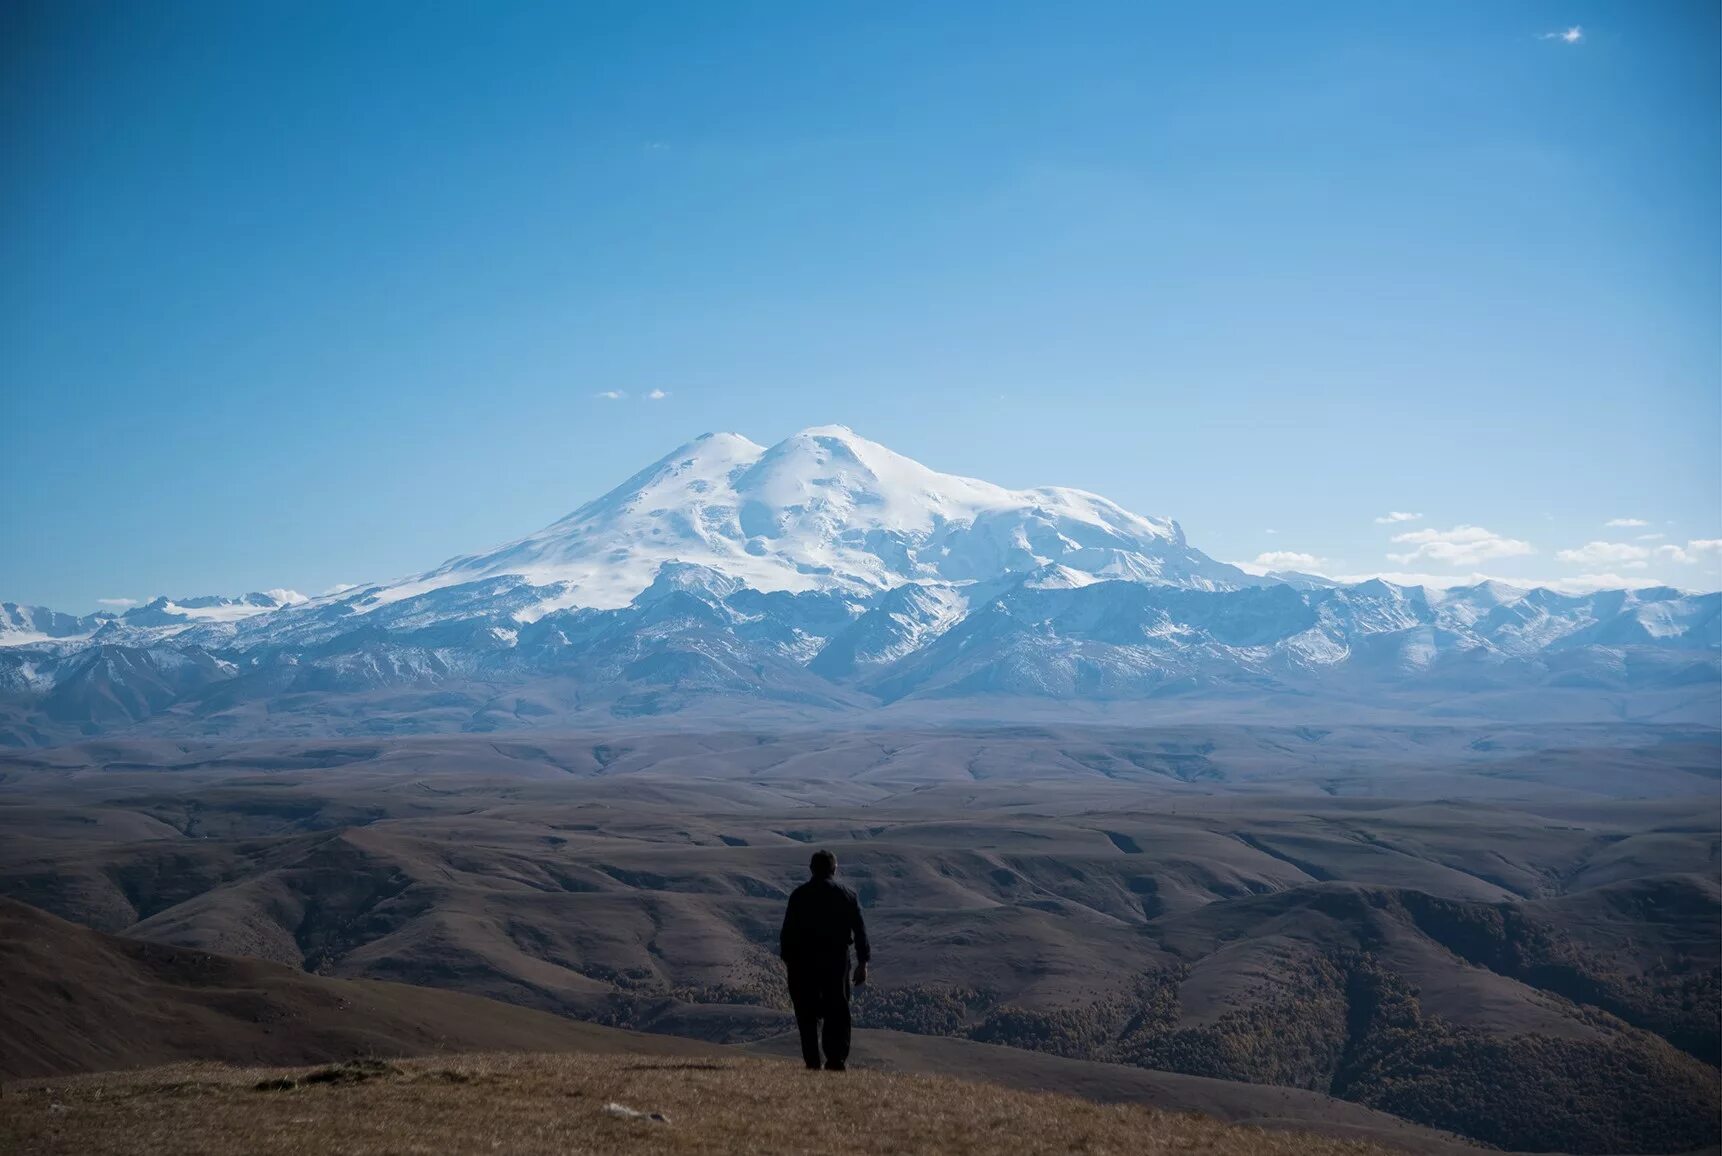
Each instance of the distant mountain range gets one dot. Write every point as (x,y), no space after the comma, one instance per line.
(828,575)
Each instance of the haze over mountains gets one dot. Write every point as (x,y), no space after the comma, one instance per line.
(1439,854)
(825,576)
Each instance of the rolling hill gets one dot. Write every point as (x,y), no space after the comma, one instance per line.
(78,1001)
(82,1001)
(1211,903)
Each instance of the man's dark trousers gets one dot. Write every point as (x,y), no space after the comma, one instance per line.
(820,991)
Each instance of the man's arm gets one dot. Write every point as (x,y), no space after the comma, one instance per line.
(858,928)
(788,936)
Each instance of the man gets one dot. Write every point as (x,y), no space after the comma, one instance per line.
(823,917)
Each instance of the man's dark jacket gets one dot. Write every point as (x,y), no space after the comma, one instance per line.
(823,918)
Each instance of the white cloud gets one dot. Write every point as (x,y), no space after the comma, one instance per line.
(1287,560)
(1566,36)
(1604,554)
(1651,537)
(1460,546)
(657,395)
(340,588)
(1692,552)
(1586,583)
(117,601)
(1626,522)
(1626,556)
(610,395)
(1270,531)
(1397,516)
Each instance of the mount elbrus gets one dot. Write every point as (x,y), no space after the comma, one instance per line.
(828,575)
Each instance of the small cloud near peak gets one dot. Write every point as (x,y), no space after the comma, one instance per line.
(1625,554)
(1392,516)
(1692,553)
(1625,522)
(1604,553)
(119,602)
(1566,35)
(1287,560)
(610,395)
(657,395)
(1462,546)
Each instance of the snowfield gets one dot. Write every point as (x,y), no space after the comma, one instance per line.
(823,509)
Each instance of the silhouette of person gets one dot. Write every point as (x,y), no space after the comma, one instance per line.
(822,918)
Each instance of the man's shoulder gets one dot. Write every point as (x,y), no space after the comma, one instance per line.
(824,887)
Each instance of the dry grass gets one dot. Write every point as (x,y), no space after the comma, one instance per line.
(556,1103)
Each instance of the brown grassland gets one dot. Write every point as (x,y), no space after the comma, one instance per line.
(557,1103)
(1390,947)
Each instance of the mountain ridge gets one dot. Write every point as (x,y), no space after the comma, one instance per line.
(828,573)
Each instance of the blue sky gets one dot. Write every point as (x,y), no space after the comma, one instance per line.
(298,294)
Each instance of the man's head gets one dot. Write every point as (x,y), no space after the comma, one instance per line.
(824,864)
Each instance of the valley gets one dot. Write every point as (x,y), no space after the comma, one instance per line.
(1339,913)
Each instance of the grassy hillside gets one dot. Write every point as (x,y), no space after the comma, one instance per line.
(1259,1105)
(559,1104)
(77,1000)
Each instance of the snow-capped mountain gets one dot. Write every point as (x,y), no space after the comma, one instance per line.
(829,574)
(824,509)
(32,625)
(158,619)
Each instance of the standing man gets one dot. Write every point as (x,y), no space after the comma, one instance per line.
(823,917)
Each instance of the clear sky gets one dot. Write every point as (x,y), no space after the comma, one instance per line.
(295,294)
